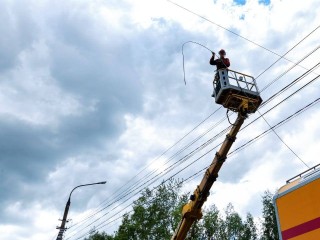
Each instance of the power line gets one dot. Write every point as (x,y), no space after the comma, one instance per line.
(282,122)
(289,69)
(220,26)
(268,100)
(316,66)
(301,110)
(161,155)
(291,84)
(150,173)
(219,108)
(297,113)
(282,57)
(248,143)
(161,174)
(209,116)
(219,144)
(238,35)
(274,131)
(260,74)
(282,90)
(101,225)
(283,100)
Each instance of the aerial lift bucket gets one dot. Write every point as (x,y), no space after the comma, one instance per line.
(236,91)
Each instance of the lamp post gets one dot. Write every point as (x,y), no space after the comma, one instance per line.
(66,210)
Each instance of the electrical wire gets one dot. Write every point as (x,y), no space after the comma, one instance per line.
(274,131)
(161,155)
(264,133)
(164,181)
(236,34)
(183,67)
(184,159)
(283,100)
(263,71)
(242,129)
(211,51)
(174,155)
(314,67)
(228,118)
(282,56)
(248,143)
(167,170)
(291,84)
(287,97)
(301,110)
(282,122)
(293,66)
(274,95)
(119,217)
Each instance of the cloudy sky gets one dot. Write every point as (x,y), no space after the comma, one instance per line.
(93,90)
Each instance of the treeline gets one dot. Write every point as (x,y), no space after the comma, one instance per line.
(157,213)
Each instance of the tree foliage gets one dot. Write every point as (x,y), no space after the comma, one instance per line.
(269,225)
(99,236)
(157,213)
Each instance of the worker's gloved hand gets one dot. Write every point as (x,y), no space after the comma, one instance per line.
(213,53)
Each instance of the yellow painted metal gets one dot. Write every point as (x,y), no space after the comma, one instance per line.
(236,101)
(300,205)
(192,210)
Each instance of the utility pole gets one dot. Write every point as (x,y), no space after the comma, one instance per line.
(62,227)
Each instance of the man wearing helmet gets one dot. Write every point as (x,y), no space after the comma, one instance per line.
(221,63)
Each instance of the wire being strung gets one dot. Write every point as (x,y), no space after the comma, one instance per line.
(184,71)
(222,62)
(233,90)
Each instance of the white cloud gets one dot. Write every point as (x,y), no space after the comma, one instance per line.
(29,92)
(107,76)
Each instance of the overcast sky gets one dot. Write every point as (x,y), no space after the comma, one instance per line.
(93,90)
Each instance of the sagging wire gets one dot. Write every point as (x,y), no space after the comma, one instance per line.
(228,118)
(184,72)
(274,131)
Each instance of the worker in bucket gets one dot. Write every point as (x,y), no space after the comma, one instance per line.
(221,62)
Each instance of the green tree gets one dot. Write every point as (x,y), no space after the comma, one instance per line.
(195,231)
(269,224)
(154,214)
(213,225)
(99,236)
(250,229)
(233,224)
(157,213)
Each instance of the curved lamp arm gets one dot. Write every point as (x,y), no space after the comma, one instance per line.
(62,228)
(104,182)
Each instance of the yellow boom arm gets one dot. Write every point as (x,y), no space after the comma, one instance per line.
(192,210)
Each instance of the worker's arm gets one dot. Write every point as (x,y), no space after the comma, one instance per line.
(212,61)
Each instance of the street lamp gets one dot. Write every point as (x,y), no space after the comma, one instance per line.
(66,210)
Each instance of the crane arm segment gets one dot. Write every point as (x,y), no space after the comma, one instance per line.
(192,210)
